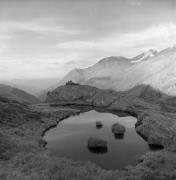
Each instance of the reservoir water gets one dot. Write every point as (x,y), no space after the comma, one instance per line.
(69,139)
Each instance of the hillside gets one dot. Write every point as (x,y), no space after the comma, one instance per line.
(107,70)
(17,94)
(158,71)
(23,154)
(155,111)
(31,86)
(118,73)
(101,73)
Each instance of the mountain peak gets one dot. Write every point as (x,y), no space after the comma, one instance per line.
(144,56)
(112,59)
(153,51)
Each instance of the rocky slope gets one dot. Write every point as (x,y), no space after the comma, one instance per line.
(31,86)
(144,56)
(17,94)
(24,157)
(102,73)
(156,117)
(107,69)
(118,73)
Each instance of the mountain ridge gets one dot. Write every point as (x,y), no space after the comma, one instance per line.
(120,73)
(16,94)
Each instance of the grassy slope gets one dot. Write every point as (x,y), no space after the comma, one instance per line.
(23,157)
(17,94)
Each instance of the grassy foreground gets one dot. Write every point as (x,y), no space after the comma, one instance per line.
(24,157)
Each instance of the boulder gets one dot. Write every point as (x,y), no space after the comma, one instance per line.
(99,124)
(118,129)
(97,143)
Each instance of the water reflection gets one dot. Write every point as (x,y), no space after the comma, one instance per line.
(155,147)
(118,136)
(99,127)
(99,124)
(69,139)
(101,150)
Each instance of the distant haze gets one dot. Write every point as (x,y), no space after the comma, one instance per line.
(46,39)
(32,86)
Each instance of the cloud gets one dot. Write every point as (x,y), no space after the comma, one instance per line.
(3,45)
(3,40)
(43,67)
(135,2)
(40,26)
(157,36)
(2,48)
(77,45)
(74,53)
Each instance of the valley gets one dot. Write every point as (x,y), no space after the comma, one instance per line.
(87,90)
(24,153)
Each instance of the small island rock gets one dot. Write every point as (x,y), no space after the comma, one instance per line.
(118,129)
(95,142)
(99,124)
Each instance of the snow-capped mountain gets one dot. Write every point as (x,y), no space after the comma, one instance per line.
(144,56)
(158,71)
(119,73)
(103,73)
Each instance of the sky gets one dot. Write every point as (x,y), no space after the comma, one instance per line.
(48,38)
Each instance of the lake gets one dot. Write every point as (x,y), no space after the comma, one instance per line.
(69,139)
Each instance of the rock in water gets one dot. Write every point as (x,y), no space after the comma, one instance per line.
(99,124)
(97,143)
(118,129)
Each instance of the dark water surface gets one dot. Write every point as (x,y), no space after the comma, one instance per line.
(69,139)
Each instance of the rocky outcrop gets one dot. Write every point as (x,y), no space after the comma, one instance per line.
(154,122)
(22,150)
(97,143)
(118,129)
(99,124)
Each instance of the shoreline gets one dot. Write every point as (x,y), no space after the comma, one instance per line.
(152,148)
(32,154)
(57,122)
(86,108)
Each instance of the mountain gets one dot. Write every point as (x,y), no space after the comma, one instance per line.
(144,56)
(32,86)
(107,70)
(17,94)
(157,69)
(101,73)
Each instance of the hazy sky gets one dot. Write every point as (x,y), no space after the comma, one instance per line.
(47,38)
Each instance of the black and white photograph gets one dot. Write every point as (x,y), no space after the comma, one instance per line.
(87,89)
